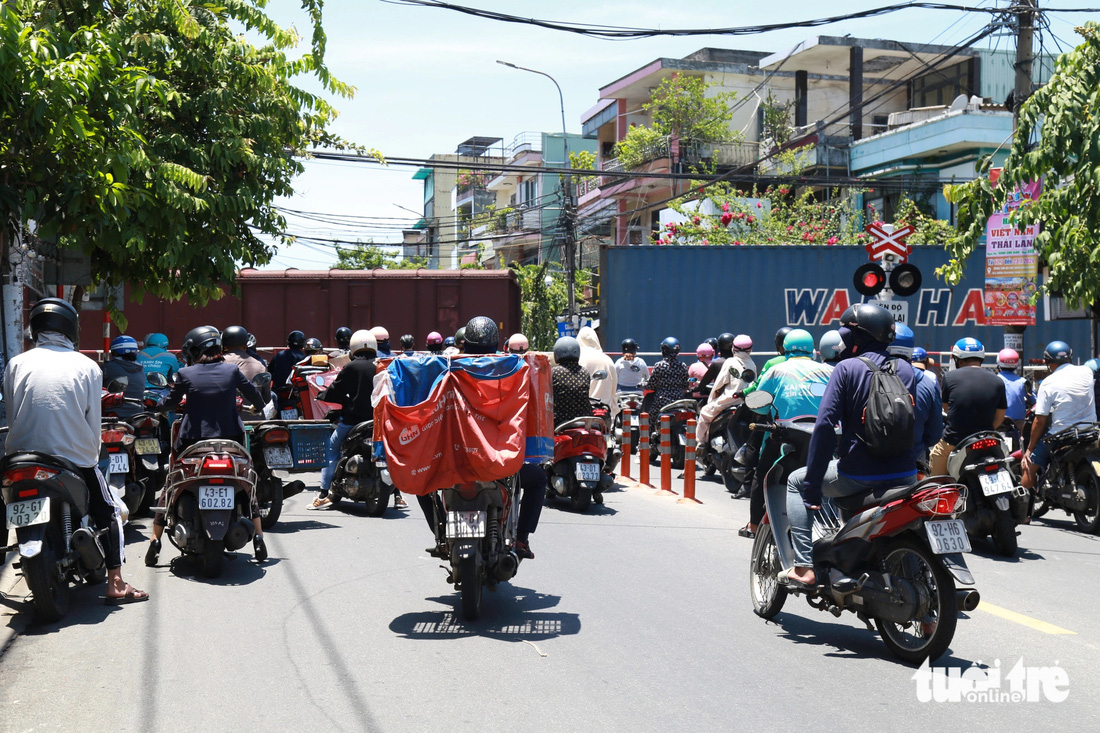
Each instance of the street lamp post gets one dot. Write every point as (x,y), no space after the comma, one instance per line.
(567,205)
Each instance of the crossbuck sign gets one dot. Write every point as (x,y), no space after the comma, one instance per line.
(884,242)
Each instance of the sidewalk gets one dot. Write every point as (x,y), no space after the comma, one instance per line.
(13,613)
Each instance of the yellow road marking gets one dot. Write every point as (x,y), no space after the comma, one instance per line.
(1028,621)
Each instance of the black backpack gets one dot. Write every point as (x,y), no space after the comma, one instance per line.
(888,416)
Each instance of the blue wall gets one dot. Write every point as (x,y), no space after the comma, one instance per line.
(650,292)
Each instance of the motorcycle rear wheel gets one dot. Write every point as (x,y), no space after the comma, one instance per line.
(1088,520)
(50,591)
(927,635)
(470,581)
(768,596)
(581,499)
(1004,534)
(213,556)
(272,508)
(380,501)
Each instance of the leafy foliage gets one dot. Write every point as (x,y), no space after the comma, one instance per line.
(373,257)
(777,120)
(541,304)
(1067,158)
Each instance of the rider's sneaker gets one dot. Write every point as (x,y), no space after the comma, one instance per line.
(437,551)
(524,550)
(152,553)
(399,502)
(259,549)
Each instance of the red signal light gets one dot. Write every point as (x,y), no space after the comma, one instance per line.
(869,279)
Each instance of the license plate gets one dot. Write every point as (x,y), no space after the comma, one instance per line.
(290,414)
(465,525)
(947,535)
(588,472)
(147,447)
(278,456)
(996,483)
(28,513)
(119,462)
(216,497)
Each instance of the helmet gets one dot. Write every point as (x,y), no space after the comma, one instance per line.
(380,334)
(200,340)
(741,342)
(780,335)
(873,320)
(449,341)
(630,346)
(157,339)
(903,341)
(670,347)
(54,314)
(725,343)
(713,342)
(124,345)
(704,351)
(343,337)
(518,344)
(295,339)
(1057,352)
(251,343)
(798,342)
(234,337)
(919,354)
(482,336)
(567,349)
(1094,365)
(830,345)
(407,341)
(313,346)
(362,340)
(434,339)
(1008,359)
(968,348)
(460,337)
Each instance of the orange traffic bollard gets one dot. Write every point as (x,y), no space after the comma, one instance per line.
(689,466)
(625,442)
(666,455)
(643,449)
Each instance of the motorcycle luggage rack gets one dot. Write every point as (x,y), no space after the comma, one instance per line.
(1074,435)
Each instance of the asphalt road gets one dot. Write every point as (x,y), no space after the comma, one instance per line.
(635,617)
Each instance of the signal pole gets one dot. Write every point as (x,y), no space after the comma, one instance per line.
(1025,31)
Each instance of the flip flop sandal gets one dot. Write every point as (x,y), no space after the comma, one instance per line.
(130,597)
(746,532)
(785,578)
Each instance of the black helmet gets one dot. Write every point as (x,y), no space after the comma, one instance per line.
(234,337)
(313,346)
(670,347)
(200,340)
(713,343)
(295,339)
(251,343)
(407,341)
(460,337)
(54,314)
(725,343)
(779,336)
(873,320)
(567,350)
(630,346)
(343,337)
(481,336)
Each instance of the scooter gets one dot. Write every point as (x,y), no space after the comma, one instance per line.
(680,411)
(580,452)
(1071,482)
(633,402)
(359,476)
(997,503)
(117,453)
(727,433)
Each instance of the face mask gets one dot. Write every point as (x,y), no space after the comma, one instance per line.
(849,340)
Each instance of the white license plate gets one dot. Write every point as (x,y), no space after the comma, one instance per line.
(216,497)
(588,472)
(28,513)
(464,525)
(291,414)
(147,447)
(119,462)
(947,535)
(995,483)
(278,456)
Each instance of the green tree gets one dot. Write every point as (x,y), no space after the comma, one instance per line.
(542,303)
(370,256)
(777,120)
(1067,159)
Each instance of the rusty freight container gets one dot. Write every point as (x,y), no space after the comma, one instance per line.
(273,303)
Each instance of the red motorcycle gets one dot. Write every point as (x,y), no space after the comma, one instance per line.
(580,452)
(117,459)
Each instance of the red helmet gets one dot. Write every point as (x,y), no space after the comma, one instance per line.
(1008,359)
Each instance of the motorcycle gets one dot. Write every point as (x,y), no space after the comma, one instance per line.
(726,435)
(208,505)
(359,476)
(1072,480)
(580,452)
(892,557)
(997,503)
(152,446)
(270,451)
(117,453)
(680,411)
(633,402)
(47,505)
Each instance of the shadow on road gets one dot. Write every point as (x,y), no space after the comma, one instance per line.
(86,607)
(298,525)
(596,510)
(511,614)
(237,570)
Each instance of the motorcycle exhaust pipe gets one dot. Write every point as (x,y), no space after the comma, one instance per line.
(506,567)
(967,600)
(240,532)
(87,546)
(292,488)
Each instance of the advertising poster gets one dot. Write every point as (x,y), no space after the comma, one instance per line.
(1011,264)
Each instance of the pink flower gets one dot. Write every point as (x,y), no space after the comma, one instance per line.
(726,219)
(706,243)
(790,228)
(783,190)
(695,220)
(726,206)
(831,241)
(736,243)
(750,218)
(759,205)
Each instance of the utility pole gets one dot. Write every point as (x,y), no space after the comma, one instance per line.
(1025,30)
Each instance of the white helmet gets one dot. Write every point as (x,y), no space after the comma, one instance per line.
(380,334)
(363,339)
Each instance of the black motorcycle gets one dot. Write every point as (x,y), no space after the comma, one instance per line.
(680,412)
(997,503)
(727,433)
(1071,482)
(359,476)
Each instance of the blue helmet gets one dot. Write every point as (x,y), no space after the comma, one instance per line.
(798,342)
(449,341)
(157,339)
(124,345)
(919,354)
(968,348)
(1094,365)
(903,342)
(1057,352)
(670,346)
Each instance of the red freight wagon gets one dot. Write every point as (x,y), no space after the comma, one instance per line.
(273,303)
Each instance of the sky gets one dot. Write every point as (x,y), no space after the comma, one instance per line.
(427,79)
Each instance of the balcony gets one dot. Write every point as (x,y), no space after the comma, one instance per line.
(719,155)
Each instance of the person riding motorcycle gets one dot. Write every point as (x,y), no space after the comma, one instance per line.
(723,349)
(927,404)
(594,361)
(210,385)
(234,346)
(571,382)
(668,381)
(123,365)
(460,340)
(382,338)
(434,342)
(407,344)
(517,344)
(704,354)
(250,349)
(866,330)
(343,339)
(1064,399)
(283,363)
(449,348)
(630,369)
(973,398)
(829,347)
(1094,365)
(155,357)
(312,347)
(1008,361)
(920,361)
(53,394)
(739,371)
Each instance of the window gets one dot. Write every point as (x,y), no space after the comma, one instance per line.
(528,192)
(939,88)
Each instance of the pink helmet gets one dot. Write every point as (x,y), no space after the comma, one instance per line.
(1008,359)
(742,343)
(704,351)
(380,334)
(434,339)
(518,344)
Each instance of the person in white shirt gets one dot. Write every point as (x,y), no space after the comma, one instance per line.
(631,369)
(1065,398)
(738,372)
(594,360)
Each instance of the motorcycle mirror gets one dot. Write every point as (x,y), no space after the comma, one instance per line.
(156,379)
(600,374)
(118,384)
(261,380)
(758,400)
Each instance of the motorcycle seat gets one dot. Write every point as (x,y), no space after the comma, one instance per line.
(215,445)
(679,405)
(588,423)
(35,457)
(858,502)
(357,432)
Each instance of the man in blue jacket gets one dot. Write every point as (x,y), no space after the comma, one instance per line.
(927,406)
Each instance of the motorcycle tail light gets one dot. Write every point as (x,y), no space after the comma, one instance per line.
(942,502)
(561,440)
(28,473)
(113,436)
(983,444)
(277,436)
(28,493)
(217,464)
(146,423)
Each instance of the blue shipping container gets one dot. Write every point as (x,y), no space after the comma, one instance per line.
(650,292)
